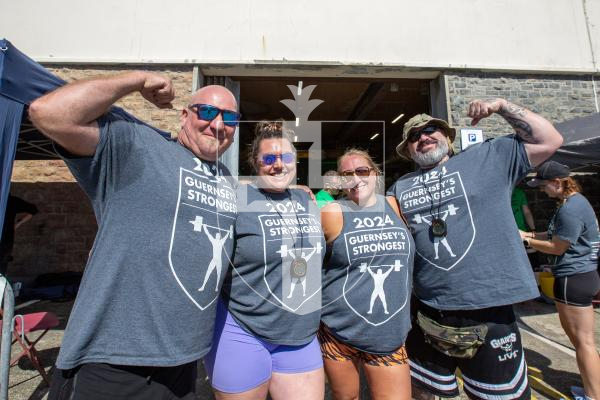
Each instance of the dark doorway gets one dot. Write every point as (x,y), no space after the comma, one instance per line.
(375,103)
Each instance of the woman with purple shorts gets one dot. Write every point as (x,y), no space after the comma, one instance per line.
(265,335)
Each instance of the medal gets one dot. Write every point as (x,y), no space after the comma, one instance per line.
(438,227)
(298,268)
(299,265)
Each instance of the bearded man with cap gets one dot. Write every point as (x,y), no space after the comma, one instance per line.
(465,288)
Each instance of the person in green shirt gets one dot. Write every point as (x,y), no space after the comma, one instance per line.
(521,210)
(525,222)
(331,188)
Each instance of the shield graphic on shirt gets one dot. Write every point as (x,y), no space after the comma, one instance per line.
(297,286)
(374,291)
(441,201)
(202,235)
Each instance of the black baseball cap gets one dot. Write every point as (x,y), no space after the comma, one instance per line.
(549,170)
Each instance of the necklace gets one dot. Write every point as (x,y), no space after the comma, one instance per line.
(438,227)
(298,266)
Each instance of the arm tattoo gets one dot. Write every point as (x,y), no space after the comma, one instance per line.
(514,115)
(514,110)
(522,128)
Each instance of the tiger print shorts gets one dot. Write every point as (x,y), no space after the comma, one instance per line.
(333,349)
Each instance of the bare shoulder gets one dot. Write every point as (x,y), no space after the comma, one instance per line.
(393,203)
(332,221)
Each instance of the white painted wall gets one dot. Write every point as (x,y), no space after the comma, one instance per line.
(546,35)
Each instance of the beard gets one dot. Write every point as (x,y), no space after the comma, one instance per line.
(433,157)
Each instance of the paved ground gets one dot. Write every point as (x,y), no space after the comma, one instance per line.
(547,348)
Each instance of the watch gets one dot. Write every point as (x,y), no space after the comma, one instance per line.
(527,243)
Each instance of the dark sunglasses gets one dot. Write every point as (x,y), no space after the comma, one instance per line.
(428,130)
(361,172)
(207,112)
(270,159)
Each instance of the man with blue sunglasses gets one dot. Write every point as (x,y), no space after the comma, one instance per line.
(140,321)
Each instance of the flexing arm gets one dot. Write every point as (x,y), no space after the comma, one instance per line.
(540,137)
(68,114)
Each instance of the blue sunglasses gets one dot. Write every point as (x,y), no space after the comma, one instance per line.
(207,112)
(270,159)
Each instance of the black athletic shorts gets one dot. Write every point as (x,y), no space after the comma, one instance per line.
(497,371)
(107,381)
(577,290)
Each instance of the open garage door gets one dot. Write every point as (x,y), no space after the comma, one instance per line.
(363,113)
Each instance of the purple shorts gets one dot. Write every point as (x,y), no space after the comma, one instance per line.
(239,361)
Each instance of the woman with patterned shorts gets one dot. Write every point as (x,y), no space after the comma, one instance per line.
(367,278)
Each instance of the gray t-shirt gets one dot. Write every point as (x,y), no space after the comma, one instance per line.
(368,278)
(576,222)
(266,295)
(165,221)
(481,262)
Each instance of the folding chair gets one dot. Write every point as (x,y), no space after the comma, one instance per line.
(29,323)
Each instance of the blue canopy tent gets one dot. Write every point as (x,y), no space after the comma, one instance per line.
(22,80)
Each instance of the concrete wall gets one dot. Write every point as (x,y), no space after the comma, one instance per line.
(532,35)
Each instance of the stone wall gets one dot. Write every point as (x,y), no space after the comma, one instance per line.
(556,97)
(167,120)
(61,235)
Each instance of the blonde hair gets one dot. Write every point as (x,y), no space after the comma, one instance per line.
(359,153)
(267,130)
(363,154)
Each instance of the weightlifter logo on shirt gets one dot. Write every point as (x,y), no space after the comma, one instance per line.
(295,236)
(370,248)
(433,197)
(202,235)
